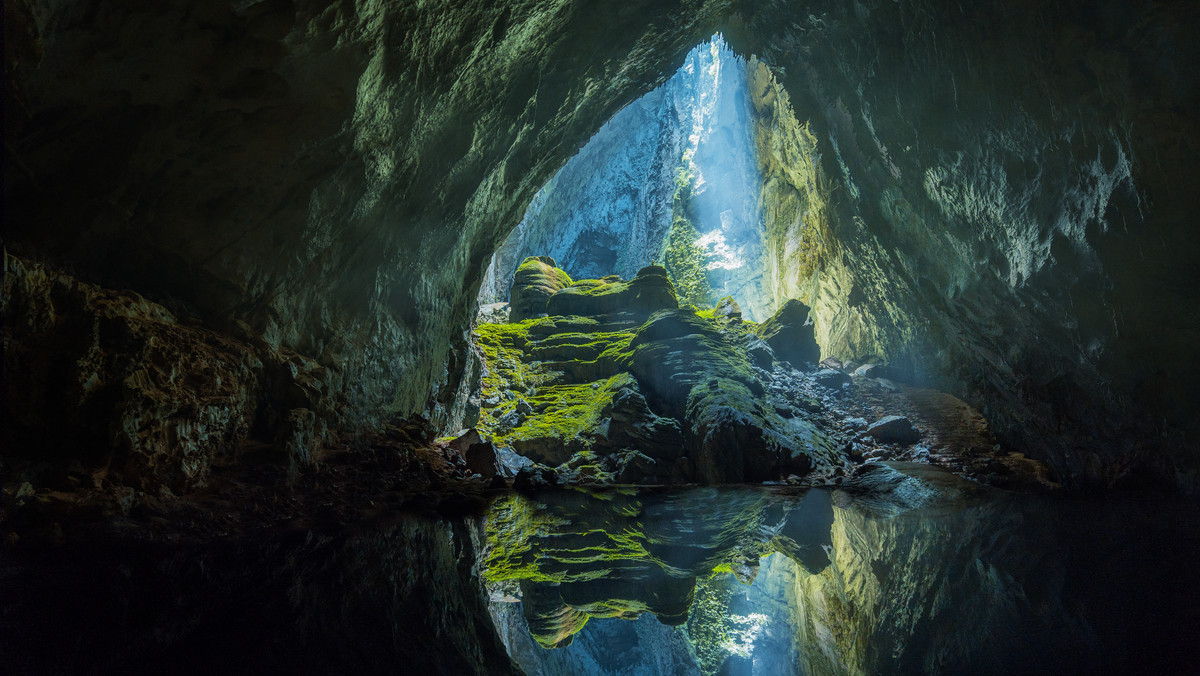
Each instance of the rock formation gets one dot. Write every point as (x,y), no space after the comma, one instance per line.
(617,383)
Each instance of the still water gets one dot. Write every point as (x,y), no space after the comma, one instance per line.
(899,577)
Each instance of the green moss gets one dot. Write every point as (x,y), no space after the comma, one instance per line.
(566,412)
(525,541)
(684,260)
(708,628)
(538,267)
(514,526)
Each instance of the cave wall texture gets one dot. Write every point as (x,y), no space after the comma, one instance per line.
(1000,199)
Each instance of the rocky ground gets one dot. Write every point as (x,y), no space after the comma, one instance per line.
(611,381)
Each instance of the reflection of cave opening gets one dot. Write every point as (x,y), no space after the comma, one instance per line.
(674,178)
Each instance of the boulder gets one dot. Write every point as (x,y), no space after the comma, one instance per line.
(791,334)
(871,371)
(633,467)
(894,429)
(465,440)
(536,280)
(728,308)
(633,425)
(832,363)
(831,378)
(534,478)
(481,459)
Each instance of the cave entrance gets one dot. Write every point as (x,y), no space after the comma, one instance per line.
(675,179)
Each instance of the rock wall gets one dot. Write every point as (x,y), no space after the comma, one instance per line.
(1006,212)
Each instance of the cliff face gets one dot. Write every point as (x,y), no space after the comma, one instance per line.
(999,195)
(1003,187)
(322,178)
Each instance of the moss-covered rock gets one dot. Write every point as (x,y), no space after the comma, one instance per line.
(619,384)
(728,308)
(646,293)
(536,280)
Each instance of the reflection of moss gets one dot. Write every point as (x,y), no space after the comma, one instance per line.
(527,541)
(514,525)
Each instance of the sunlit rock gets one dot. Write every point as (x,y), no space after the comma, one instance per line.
(646,293)
(791,334)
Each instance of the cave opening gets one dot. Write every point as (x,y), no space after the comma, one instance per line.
(675,178)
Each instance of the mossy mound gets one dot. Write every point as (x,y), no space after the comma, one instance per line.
(646,293)
(728,308)
(536,279)
(791,334)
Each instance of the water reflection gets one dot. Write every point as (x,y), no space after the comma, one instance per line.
(756,581)
(893,575)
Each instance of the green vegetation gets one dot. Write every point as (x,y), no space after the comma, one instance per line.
(528,541)
(564,413)
(683,258)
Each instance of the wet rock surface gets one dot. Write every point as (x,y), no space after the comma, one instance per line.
(633,554)
(314,599)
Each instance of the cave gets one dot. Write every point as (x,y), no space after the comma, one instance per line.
(558,337)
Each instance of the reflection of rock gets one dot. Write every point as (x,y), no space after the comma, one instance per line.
(643,646)
(308,601)
(577,557)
